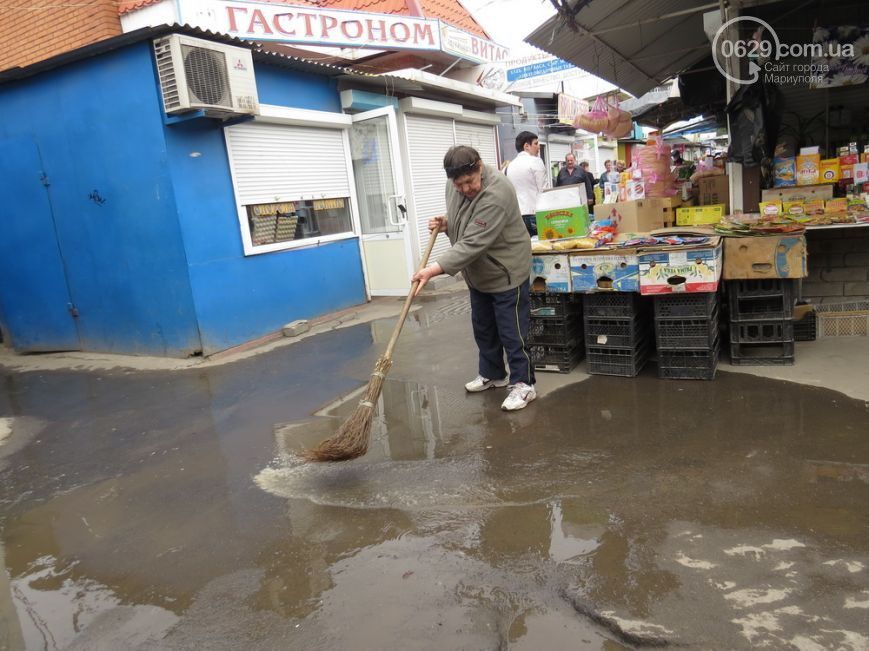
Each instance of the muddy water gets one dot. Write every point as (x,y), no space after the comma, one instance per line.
(167,510)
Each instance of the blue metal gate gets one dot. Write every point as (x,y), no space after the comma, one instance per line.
(35,303)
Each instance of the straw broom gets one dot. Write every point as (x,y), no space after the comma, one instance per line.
(351,440)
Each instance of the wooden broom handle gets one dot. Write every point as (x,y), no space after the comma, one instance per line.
(398,326)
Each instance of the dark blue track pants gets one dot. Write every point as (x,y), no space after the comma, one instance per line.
(501,322)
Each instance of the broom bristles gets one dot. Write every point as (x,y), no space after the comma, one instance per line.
(352,438)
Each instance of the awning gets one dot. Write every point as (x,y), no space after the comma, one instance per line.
(634,44)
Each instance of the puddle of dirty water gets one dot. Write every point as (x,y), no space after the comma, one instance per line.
(167,511)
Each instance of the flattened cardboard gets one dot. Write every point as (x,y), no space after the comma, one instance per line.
(550,272)
(780,256)
(605,270)
(681,269)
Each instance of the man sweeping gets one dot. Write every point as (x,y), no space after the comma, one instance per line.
(492,248)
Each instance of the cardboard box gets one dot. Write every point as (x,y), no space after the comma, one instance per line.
(681,269)
(770,208)
(605,270)
(829,170)
(808,169)
(806,193)
(640,216)
(550,272)
(699,215)
(780,256)
(562,212)
(714,190)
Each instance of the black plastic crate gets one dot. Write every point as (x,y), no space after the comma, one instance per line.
(806,329)
(625,362)
(555,305)
(613,305)
(761,299)
(560,359)
(686,334)
(757,287)
(761,308)
(688,364)
(762,354)
(617,333)
(686,306)
(758,332)
(565,331)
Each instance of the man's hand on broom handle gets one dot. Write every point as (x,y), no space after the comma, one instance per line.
(424,274)
(435,225)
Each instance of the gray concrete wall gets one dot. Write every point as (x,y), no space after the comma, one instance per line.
(838,265)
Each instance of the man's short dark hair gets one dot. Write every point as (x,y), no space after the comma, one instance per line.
(525,138)
(461,160)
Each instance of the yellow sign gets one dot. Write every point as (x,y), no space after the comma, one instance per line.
(267,209)
(328,204)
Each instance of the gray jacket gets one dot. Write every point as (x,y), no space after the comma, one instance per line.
(491,245)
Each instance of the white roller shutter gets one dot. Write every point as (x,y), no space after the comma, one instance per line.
(481,137)
(272,162)
(557,151)
(428,139)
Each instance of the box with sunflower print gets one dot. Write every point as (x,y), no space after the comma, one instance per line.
(562,212)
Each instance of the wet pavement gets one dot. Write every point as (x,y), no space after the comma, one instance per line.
(166,510)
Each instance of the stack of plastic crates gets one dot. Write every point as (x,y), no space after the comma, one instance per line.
(555,335)
(761,322)
(618,330)
(805,324)
(687,335)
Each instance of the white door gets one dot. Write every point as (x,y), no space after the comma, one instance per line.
(377,171)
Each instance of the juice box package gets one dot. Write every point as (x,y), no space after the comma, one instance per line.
(846,172)
(784,172)
(770,208)
(836,205)
(562,212)
(849,159)
(808,169)
(829,170)
(861,173)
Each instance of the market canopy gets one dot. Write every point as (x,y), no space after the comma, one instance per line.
(634,44)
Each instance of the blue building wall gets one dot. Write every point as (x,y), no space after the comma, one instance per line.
(240,298)
(99,133)
(146,218)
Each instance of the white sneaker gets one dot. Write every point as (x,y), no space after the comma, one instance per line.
(519,397)
(481,383)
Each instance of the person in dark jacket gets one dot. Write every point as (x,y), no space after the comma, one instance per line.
(570,174)
(492,249)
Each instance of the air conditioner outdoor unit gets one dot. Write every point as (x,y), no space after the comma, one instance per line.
(196,74)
